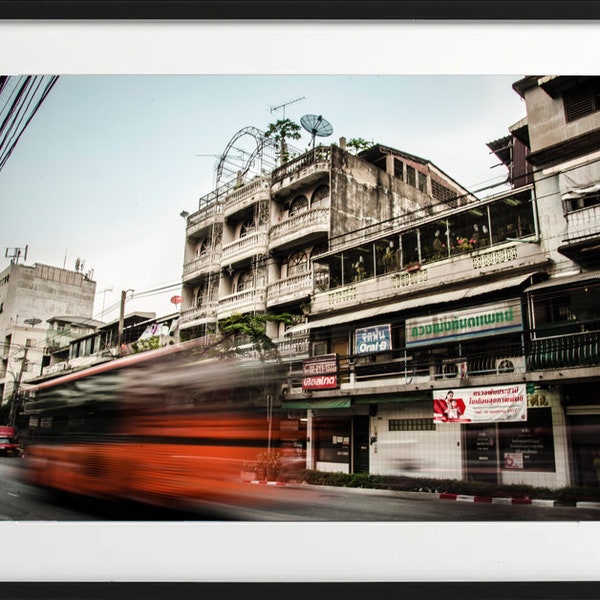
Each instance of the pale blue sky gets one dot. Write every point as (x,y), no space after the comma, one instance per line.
(110,160)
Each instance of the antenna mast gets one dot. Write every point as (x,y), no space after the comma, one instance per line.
(15,253)
(282,106)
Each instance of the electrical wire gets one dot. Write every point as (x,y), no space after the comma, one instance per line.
(21,110)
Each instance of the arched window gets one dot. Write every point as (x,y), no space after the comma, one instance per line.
(248,227)
(319,197)
(299,204)
(297,263)
(202,247)
(245,281)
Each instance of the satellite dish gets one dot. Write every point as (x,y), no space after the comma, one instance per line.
(316,125)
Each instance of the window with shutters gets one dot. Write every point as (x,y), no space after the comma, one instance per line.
(582,101)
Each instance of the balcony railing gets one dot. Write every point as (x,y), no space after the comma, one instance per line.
(293,348)
(203,218)
(580,350)
(583,223)
(249,245)
(205,311)
(307,161)
(316,219)
(245,301)
(294,286)
(248,194)
(209,261)
(564,351)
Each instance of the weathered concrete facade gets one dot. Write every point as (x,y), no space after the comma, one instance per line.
(29,296)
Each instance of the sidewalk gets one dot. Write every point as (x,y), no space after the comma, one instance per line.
(445,496)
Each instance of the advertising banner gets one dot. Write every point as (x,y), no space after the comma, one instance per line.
(489,319)
(373,339)
(481,405)
(320,373)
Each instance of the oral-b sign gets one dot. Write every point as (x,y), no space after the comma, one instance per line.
(372,339)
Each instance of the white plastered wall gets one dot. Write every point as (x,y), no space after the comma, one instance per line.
(430,453)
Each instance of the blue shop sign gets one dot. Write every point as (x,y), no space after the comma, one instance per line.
(373,339)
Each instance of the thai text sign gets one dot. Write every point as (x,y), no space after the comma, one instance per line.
(320,373)
(372,339)
(481,405)
(489,319)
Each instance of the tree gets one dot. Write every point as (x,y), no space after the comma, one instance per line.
(357,145)
(280,131)
(253,328)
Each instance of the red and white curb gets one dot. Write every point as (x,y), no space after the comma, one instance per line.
(529,501)
(259,482)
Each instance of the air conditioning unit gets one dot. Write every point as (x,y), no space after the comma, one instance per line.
(454,368)
(513,364)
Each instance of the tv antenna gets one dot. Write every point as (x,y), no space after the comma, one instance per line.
(15,253)
(282,106)
(316,125)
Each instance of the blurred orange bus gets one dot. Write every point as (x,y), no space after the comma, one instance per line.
(165,427)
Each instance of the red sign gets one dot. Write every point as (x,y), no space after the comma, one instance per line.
(320,373)
(176,300)
(320,382)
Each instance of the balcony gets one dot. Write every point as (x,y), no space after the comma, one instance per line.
(203,219)
(250,245)
(293,348)
(566,358)
(209,262)
(290,289)
(502,264)
(565,351)
(582,243)
(302,227)
(302,170)
(242,302)
(205,313)
(239,199)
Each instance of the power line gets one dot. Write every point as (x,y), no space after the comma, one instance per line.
(21,110)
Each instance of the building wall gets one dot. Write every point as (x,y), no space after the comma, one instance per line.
(546,120)
(36,292)
(364,195)
(432,453)
(42,291)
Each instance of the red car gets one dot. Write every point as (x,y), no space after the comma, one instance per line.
(9,441)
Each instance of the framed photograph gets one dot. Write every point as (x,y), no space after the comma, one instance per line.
(143,149)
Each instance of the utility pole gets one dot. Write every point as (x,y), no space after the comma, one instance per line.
(12,417)
(122,320)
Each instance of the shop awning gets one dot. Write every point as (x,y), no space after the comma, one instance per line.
(440,297)
(568,280)
(318,403)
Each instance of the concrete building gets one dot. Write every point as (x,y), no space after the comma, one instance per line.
(413,295)
(102,342)
(29,297)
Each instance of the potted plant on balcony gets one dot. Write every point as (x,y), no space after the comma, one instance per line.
(464,244)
